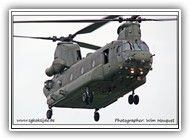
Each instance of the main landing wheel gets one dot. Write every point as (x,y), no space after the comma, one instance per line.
(133,99)
(96,115)
(49,114)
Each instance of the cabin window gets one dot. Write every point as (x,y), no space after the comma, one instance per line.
(71,77)
(82,70)
(93,63)
(106,56)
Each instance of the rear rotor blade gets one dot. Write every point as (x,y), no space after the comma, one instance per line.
(98,21)
(107,19)
(54,38)
(86,45)
(95,26)
(46,38)
(60,21)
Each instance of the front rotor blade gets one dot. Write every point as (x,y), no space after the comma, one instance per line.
(160,19)
(86,45)
(95,26)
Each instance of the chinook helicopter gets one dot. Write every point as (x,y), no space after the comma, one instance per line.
(99,79)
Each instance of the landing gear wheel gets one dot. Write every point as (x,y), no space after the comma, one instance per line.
(49,114)
(130,99)
(133,98)
(96,116)
(136,99)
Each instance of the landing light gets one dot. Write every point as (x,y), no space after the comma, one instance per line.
(141,71)
(138,78)
(132,71)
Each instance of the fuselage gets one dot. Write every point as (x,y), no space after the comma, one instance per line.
(109,73)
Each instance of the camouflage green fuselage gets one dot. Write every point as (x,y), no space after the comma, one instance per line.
(109,73)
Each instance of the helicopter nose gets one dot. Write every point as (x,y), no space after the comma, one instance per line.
(142,56)
(139,59)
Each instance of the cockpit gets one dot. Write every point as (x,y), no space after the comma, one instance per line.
(132,46)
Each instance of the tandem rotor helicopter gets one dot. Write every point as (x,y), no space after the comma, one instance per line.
(102,77)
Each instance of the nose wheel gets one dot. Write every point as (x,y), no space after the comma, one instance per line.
(133,98)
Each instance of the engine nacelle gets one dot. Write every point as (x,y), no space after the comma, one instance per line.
(57,66)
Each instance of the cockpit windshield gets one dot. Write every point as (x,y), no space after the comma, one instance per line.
(136,46)
(132,46)
(144,47)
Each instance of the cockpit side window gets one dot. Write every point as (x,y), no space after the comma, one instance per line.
(124,47)
(144,47)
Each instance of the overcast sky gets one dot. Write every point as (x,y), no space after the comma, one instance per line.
(158,97)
